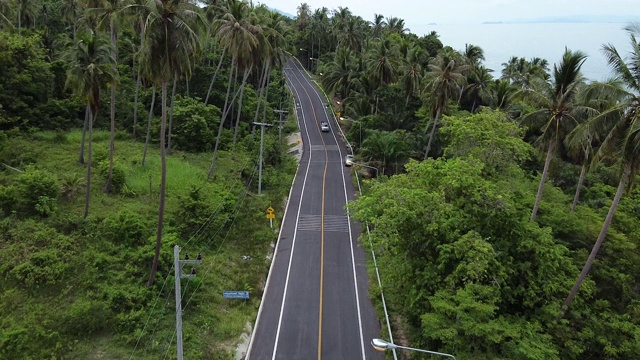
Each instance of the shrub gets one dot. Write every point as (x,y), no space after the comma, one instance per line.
(36,192)
(119,173)
(86,317)
(7,199)
(125,227)
(43,267)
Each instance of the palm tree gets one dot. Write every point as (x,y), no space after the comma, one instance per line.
(271,44)
(139,13)
(238,36)
(5,10)
(108,14)
(444,80)
(558,111)
(90,58)
(623,138)
(26,13)
(377,25)
(381,62)
(69,10)
(479,87)
(172,42)
(341,73)
(387,150)
(412,72)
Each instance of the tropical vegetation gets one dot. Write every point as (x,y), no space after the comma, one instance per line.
(504,215)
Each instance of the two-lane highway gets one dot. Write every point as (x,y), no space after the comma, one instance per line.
(316,303)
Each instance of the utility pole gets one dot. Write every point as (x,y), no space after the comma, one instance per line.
(280,122)
(262,125)
(177,265)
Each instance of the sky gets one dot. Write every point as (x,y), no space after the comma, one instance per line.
(421,12)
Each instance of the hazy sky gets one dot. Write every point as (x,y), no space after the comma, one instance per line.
(421,12)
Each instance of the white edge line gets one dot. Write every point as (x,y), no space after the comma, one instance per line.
(353,263)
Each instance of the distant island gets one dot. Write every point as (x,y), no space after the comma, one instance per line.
(573,19)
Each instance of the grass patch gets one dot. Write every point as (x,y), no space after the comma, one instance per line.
(97,305)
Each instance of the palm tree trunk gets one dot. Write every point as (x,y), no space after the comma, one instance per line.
(262,81)
(135,105)
(543,180)
(89,151)
(163,184)
(213,78)
(87,114)
(266,96)
(596,247)
(112,133)
(137,92)
(146,141)
(433,133)
(173,98)
(583,171)
(244,80)
(224,116)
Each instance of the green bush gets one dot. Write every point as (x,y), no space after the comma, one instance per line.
(7,199)
(125,227)
(86,317)
(119,176)
(36,192)
(43,267)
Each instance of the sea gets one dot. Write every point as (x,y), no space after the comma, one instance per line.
(501,41)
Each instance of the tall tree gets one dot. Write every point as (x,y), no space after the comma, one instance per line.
(622,141)
(172,42)
(444,81)
(558,111)
(411,72)
(108,16)
(90,59)
(238,35)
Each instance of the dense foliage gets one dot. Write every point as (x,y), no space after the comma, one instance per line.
(493,212)
(488,217)
(90,209)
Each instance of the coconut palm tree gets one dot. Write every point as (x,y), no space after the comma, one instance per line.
(90,59)
(388,150)
(558,111)
(70,10)
(479,87)
(271,44)
(108,16)
(445,79)
(377,25)
(381,62)
(238,35)
(138,12)
(171,45)
(622,141)
(412,72)
(5,10)
(26,13)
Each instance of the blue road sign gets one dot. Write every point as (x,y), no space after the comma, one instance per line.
(235,294)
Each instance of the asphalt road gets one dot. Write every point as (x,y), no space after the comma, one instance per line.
(316,304)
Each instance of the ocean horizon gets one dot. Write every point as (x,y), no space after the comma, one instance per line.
(501,41)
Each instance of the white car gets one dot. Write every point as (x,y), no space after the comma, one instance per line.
(324,126)
(348,160)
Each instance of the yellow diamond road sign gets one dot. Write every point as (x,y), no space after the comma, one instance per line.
(270,210)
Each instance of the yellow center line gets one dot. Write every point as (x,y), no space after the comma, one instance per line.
(324,178)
